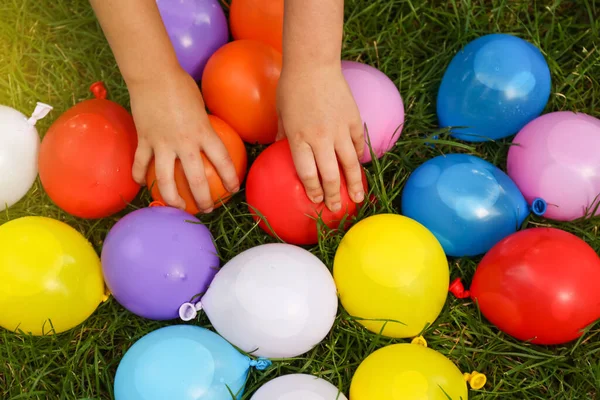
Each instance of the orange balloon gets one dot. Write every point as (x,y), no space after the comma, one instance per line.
(260,20)
(239,85)
(220,195)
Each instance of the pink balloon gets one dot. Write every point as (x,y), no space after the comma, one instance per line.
(556,157)
(380,105)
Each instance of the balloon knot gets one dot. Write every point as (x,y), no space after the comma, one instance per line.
(261,363)
(41,110)
(458,290)
(539,207)
(189,311)
(157,204)
(419,341)
(106,295)
(476,380)
(98,90)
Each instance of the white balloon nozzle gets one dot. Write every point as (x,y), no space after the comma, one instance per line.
(41,110)
(189,311)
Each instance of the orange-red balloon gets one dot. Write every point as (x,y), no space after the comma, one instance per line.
(86,158)
(539,285)
(220,195)
(260,20)
(274,190)
(239,85)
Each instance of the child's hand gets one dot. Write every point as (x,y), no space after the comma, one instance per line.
(320,118)
(171,121)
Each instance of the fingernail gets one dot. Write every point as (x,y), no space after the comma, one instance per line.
(359,197)
(236,189)
(208,210)
(335,207)
(317,199)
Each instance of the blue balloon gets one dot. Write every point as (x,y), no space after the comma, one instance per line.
(183,362)
(492,88)
(466,202)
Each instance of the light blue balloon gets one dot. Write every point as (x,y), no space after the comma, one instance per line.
(493,87)
(466,202)
(183,362)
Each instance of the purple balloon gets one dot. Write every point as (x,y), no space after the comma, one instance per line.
(197,29)
(157,258)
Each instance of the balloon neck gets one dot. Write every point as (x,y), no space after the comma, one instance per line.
(157,204)
(106,295)
(458,290)
(260,363)
(189,311)
(475,379)
(539,207)
(41,110)
(419,341)
(98,90)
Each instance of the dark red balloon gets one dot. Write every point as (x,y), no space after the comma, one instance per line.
(274,189)
(540,285)
(86,158)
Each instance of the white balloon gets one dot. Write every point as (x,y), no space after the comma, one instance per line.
(274,301)
(19,147)
(298,387)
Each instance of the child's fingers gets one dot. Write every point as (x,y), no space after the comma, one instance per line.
(165,178)
(330,175)
(193,167)
(348,158)
(304,160)
(357,132)
(143,156)
(280,130)
(216,152)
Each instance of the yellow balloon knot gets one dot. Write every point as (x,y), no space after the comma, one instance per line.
(106,295)
(476,380)
(419,341)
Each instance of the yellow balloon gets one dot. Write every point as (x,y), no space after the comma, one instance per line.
(48,273)
(408,372)
(390,267)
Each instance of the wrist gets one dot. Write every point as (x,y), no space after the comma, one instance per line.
(311,66)
(153,73)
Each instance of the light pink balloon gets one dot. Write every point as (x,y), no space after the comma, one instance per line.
(556,157)
(380,105)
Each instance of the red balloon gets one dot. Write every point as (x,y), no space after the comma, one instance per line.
(540,285)
(86,158)
(275,191)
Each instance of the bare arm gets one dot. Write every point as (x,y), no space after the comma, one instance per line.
(313,33)
(166,103)
(317,111)
(137,37)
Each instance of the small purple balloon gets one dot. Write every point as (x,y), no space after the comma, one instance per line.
(197,28)
(156,259)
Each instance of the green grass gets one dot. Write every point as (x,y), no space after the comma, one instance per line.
(51,51)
